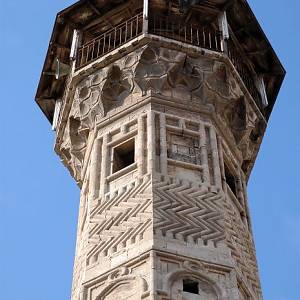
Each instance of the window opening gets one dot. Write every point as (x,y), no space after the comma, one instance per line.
(230,180)
(184,148)
(191,286)
(123,155)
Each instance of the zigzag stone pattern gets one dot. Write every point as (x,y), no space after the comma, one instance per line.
(121,220)
(186,212)
(240,241)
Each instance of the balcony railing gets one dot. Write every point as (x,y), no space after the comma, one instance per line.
(244,72)
(202,37)
(109,41)
(205,37)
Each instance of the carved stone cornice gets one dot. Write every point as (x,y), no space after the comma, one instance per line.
(190,78)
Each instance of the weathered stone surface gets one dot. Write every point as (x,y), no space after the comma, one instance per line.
(192,81)
(171,214)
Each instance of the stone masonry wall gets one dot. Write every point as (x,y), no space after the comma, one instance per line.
(159,142)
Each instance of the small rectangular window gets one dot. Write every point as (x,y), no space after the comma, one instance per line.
(123,155)
(190,286)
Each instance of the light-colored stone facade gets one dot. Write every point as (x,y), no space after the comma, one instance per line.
(169,215)
(160,128)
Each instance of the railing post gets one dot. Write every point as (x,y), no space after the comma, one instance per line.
(224,29)
(145,16)
(261,87)
(76,44)
(76,41)
(58,105)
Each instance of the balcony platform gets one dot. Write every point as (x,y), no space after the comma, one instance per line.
(102,21)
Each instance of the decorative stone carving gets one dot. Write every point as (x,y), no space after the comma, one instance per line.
(186,78)
(174,197)
(240,240)
(193,266)
(170,73)
(245,126)
(108,234)
(122,287)
(117,86)
(150,72)
(192,222)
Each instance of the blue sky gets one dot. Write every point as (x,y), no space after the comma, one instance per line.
(39,200)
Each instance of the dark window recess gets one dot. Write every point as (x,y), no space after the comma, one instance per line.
(123,156)
(191,286)
(230,180)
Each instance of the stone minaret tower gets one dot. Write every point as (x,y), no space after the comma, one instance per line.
(159,109)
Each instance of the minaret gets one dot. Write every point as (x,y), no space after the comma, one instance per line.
(159,109)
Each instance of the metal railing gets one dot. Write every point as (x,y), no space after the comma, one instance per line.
(109,41)
(205,37)
(244,72)
(202,37)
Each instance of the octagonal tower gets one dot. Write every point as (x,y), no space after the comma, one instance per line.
(159,109)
